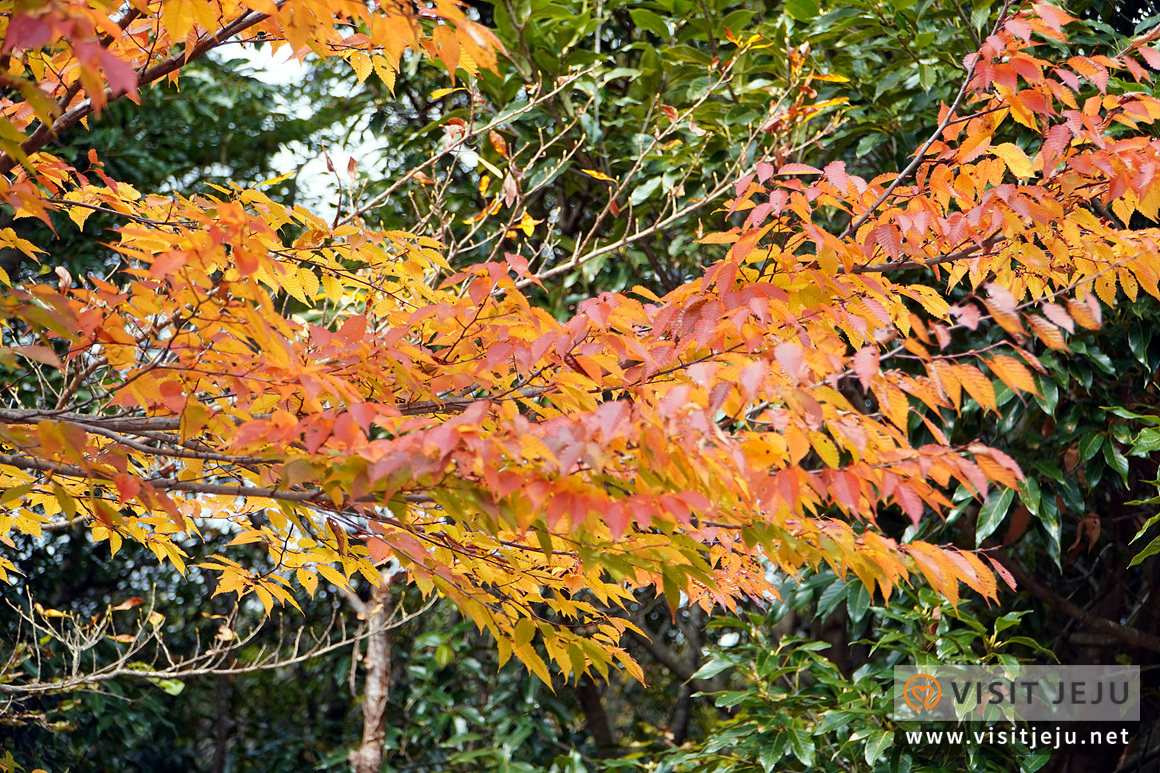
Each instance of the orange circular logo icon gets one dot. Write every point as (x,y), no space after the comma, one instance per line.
(922,692)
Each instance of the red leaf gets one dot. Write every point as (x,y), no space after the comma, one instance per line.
(1001,571)
(888,237)
(617,517)
(25,32)
(846,490)
(609,417)
(758,215)
(866,364)
(120,74)
(167,263)
(836,173)
(127,487)
(799,169)
(1001,297)
(789,356)
(1151,56)
(968,315)
(498,142)
(778,200)
(1053,17)
(1059,316)
(742,185)
(379,550)
(911,502)
(40,354)
(751,380)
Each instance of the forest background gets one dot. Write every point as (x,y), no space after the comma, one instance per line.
(602,148)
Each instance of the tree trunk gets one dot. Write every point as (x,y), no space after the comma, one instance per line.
(597,719)
(222,724)
(368,758)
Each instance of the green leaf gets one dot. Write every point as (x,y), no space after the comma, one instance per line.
(1116,460)
(802,10)
(1146,442)
(737,20)
(1036,760)
(1051,470)
(170,686)
(833,595)
(835,719)
(1124,413)
(1030,495)
(1049,393)
(879,741)
(1027,641)
(858,601)
(1152,549)
(992,513)
(647,20)
(1138,339)
(712,668)
(1148,524)
(1049,519)
(1090,445)
(642,192)
(803,746)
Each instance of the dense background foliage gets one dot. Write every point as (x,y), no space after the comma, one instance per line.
(790,684)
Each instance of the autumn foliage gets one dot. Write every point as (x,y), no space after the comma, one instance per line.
(346,398)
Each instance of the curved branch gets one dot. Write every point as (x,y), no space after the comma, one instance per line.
(1133,637)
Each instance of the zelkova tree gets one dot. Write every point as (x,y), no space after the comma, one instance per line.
(345,399)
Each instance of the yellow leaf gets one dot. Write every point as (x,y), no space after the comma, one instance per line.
(528,656)
(1014,157)
(937,569)
(1047,332)
(831,78)
(275,180)
(528,223)
(1106,288)
(1085,312)
(385,71)
(265,597)
(334,288)
(308,579)
(629,664)
(825,449)
(490,167)
(597,175)
(205,13)
(293,285)
(440,93)
(79,215)
(978,386)
(1013,373)
(309,282)
(361,64)
(331,574)
(177,16)
(1128,282)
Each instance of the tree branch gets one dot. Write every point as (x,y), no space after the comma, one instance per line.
(1133,637)
(45,132)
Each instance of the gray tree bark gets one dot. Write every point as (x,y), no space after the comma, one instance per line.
(368,757)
